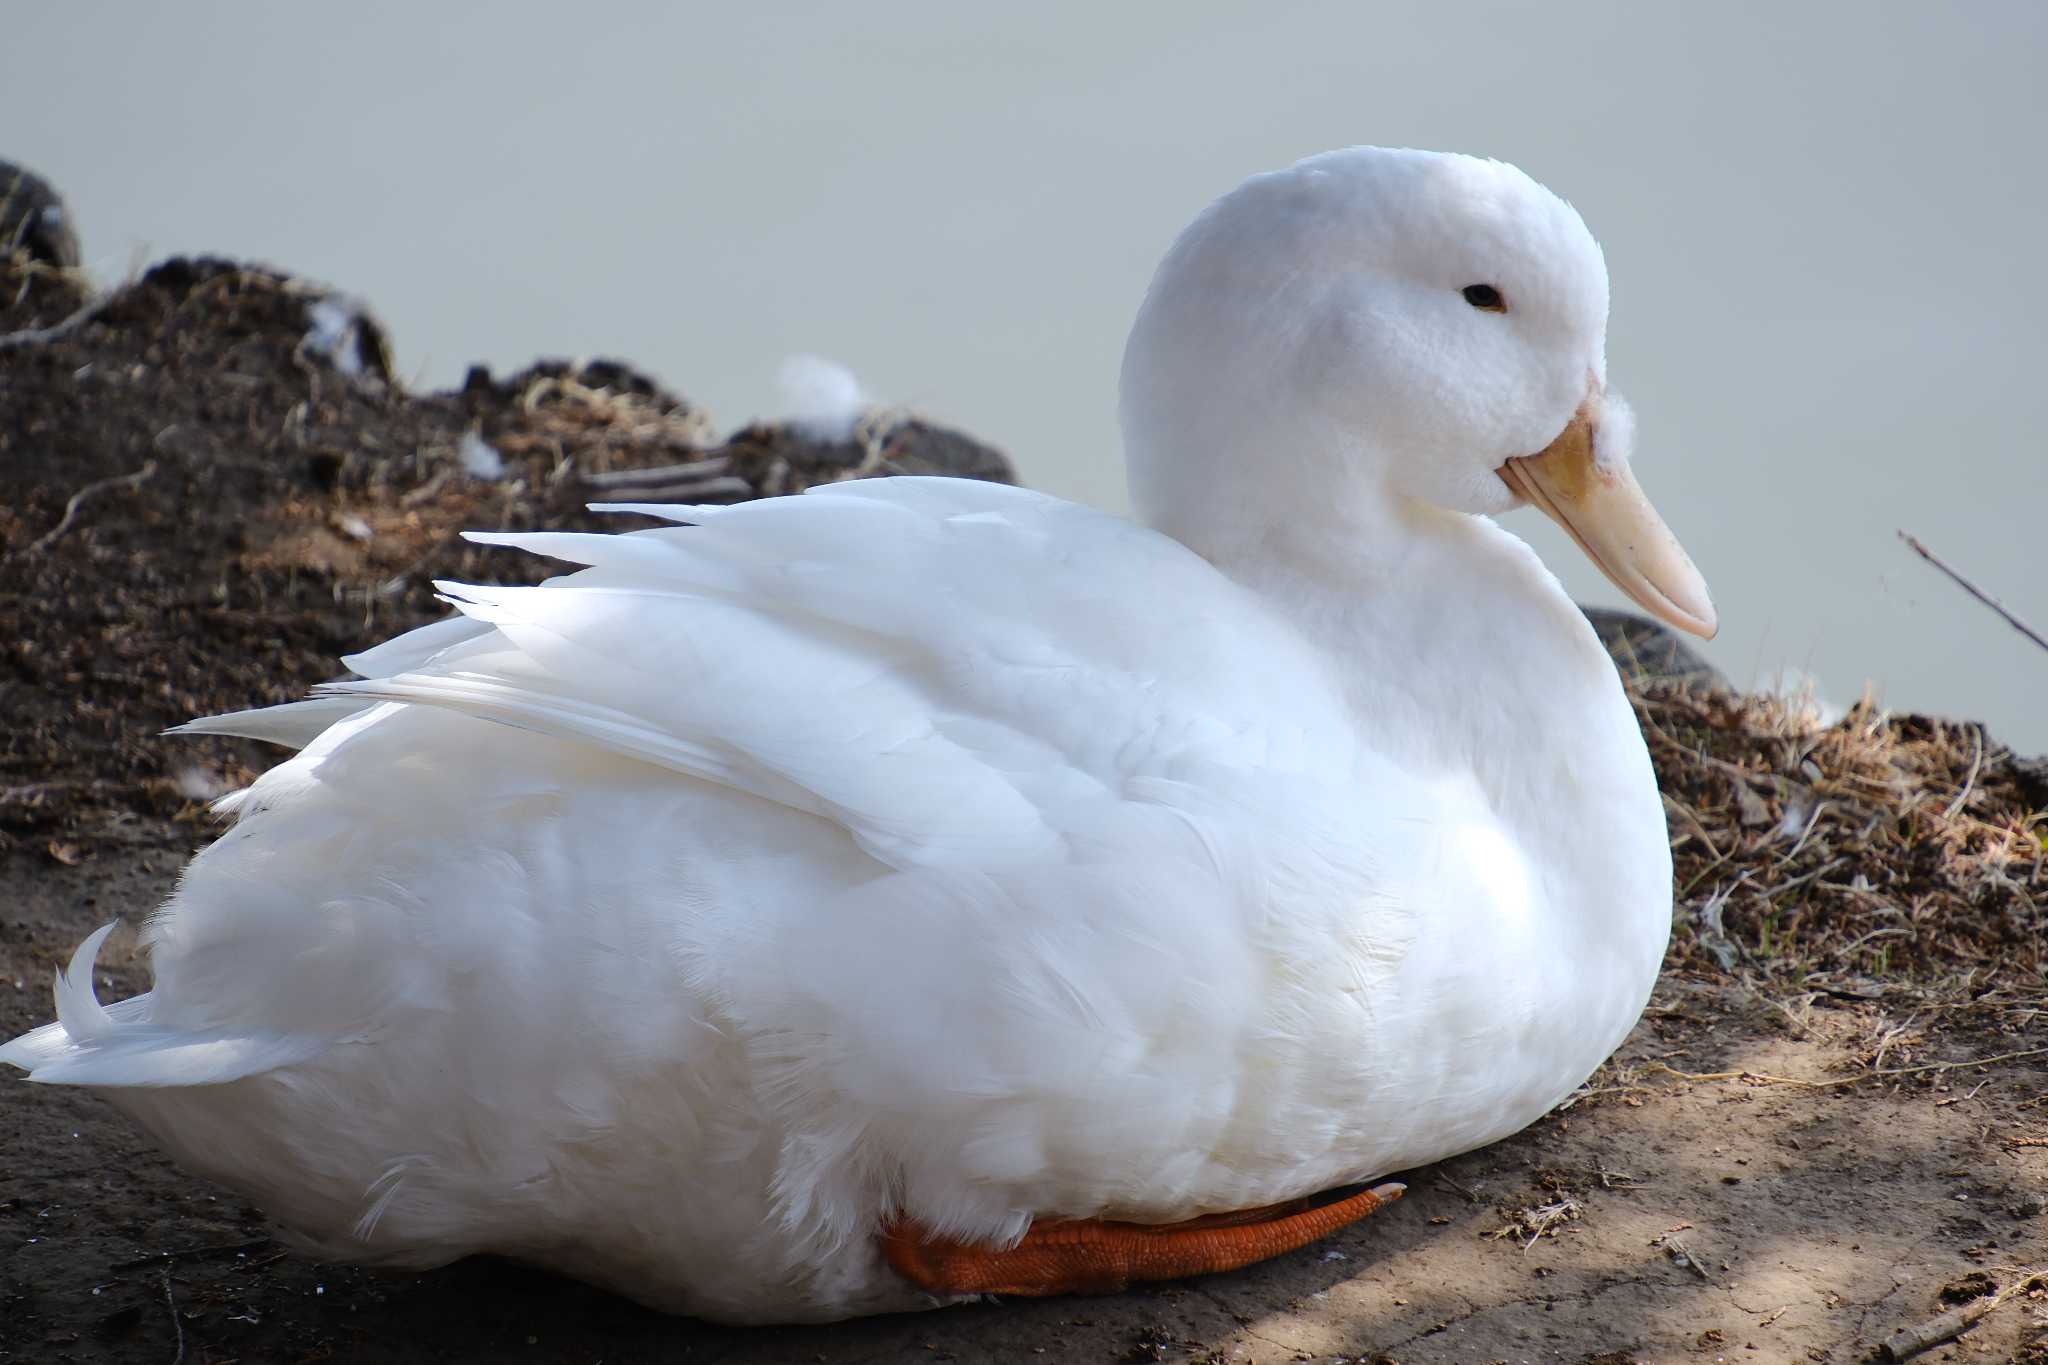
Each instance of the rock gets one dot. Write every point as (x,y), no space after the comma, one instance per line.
(779,457)
(34,219)
(601,409)
(1645,650)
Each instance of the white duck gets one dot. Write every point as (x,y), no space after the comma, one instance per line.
(848,902)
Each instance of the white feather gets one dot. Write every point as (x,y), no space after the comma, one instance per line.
(334,326)
(78,1007)
(1614,440)
(91,1044)
(480,459)
(820,397)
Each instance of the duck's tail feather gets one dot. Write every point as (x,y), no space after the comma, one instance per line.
(121,1045)
(295,724)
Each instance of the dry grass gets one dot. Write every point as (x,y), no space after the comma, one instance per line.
(1876,858)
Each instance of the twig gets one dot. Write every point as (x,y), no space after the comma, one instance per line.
(191,1253)
(1684,1256)
(171,1304)
(56,331)
(1801,880)
(1969,779)
(1699,830)
(723,488)
(1910,1341)
(668,473)
(1445,1179)
(77,500)
(1971,588)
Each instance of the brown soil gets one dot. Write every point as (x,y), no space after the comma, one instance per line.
(1831,1123)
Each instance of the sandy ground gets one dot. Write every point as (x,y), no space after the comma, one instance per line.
(1656,1219)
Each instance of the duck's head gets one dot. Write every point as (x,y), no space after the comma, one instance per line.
(1372,328)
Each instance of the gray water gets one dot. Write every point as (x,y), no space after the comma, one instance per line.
(1824,224)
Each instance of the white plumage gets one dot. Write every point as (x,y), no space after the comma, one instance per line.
(939,847)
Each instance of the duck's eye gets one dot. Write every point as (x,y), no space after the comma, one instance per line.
(1485,296)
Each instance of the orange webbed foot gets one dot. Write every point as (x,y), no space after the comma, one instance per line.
(1096,1256)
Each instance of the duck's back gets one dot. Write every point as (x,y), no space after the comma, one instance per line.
(917,844)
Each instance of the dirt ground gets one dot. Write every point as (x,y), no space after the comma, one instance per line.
(1832,1123)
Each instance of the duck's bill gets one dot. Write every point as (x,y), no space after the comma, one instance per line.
(1603,508)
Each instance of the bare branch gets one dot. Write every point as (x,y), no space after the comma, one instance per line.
(1971,588)
(56,331)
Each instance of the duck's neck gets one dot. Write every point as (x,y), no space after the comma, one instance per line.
(1460,655)
(1454,644)
(1465,664)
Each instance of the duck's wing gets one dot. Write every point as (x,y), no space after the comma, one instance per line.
(297,724)
(941,666)
(1067,856)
